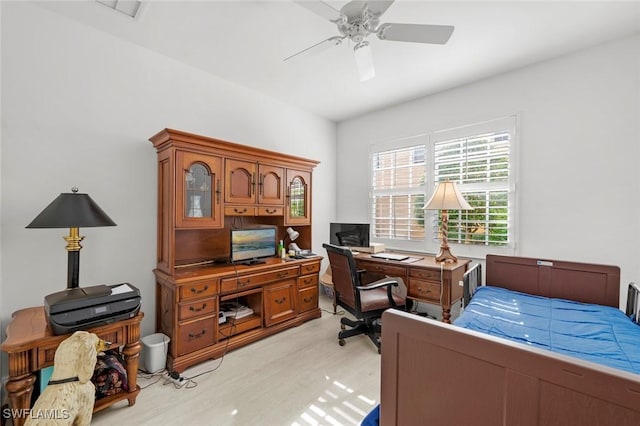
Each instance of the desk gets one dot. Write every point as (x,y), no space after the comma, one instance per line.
(31,346)
(427,281)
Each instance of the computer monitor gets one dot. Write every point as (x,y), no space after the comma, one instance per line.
(349,234)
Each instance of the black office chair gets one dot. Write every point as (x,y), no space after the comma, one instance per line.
(366,295)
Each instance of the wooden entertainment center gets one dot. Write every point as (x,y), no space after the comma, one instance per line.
(206,187)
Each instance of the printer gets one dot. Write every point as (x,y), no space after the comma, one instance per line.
(85,307)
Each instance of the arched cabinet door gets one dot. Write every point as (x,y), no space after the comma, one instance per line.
(270,185)
(298,206)
(198,191)
(241,181)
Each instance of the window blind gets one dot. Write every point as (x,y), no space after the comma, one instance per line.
(398,187)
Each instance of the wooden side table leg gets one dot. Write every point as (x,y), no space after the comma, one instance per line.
(131,354)
(19,390)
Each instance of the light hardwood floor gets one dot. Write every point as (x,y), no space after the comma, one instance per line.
(298,377)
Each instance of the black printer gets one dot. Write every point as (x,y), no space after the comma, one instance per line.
(85,307)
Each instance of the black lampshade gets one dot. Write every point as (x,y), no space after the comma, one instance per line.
(72,210)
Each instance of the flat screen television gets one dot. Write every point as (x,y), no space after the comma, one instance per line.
(248,245)
(349,234)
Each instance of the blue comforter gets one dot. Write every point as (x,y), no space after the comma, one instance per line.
(595,333)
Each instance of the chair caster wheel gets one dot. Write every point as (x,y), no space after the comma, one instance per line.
(343,327)
(379,351)
(341,342)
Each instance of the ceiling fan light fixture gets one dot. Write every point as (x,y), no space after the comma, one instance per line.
(364,60)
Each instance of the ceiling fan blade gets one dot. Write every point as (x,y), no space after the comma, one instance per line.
(417,33)
(378,7)
(364,60)
(318,47)
(320,8)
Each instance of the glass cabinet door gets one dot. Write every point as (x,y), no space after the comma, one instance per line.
(197,181)
(298,209)
(199,191)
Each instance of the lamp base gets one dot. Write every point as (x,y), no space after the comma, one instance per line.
(446,256)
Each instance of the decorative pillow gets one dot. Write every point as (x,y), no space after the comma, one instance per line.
(110,376)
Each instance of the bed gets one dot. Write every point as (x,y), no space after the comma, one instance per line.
(435,373)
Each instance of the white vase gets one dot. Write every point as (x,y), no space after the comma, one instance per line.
(194,209)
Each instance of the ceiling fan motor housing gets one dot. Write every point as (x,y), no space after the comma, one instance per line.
(357,21)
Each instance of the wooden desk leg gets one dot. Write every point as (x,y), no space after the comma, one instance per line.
(446,315)
(19,389)
(132,359)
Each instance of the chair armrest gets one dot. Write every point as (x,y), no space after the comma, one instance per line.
(380,283)
(385,282)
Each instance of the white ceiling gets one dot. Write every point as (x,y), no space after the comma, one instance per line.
(245,42)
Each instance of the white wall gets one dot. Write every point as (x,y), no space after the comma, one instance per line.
(78,109)
(578,183)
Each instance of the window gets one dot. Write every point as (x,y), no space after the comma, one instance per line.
(479,165)
(397,189)
(479,158)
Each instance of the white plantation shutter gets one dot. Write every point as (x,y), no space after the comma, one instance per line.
(397,187)
(479,165)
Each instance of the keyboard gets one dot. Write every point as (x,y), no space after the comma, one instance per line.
(390,256)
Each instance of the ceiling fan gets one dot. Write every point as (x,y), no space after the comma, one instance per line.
(359,19)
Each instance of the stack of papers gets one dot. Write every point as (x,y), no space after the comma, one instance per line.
(235,310)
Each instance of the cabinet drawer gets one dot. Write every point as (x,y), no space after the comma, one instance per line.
(308,298)
(196,335)
(253,280)
(197,308)
(390,270)
(310,268)
(192,291)
(270,211)
(239,211)
(421,289)
(279,302)
(46,354)
(425,274)
(308,281)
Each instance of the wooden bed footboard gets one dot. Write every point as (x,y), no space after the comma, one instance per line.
(435,373)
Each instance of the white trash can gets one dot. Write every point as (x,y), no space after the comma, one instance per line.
(154,352)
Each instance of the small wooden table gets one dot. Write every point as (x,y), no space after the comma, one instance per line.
(31,346)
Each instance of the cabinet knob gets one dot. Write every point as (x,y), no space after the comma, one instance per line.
(309,300)
(196,291)
(280,301)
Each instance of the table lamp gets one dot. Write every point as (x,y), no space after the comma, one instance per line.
(293,235)
(446,197)
(72,210)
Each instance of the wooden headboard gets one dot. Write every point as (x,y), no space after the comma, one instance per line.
(582,282)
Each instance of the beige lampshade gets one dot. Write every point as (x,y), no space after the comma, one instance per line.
(447,197)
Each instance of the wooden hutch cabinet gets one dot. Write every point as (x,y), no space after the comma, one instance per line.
(206,187)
